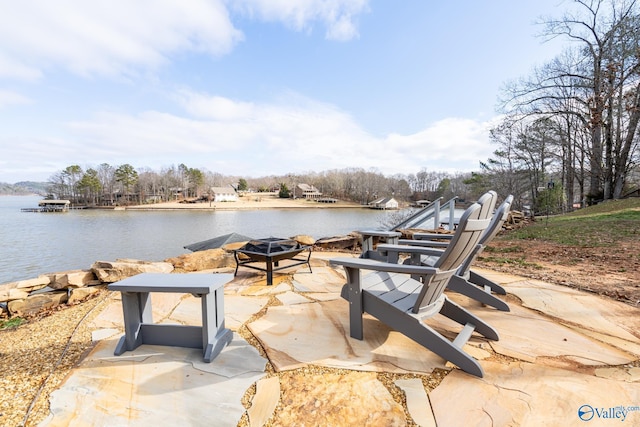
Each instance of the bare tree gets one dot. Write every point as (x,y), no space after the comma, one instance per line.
(106,176)
(592,87)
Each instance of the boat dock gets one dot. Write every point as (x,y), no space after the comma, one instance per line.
(50,206)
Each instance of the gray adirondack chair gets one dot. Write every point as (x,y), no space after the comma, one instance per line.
(403,296)
(467,282)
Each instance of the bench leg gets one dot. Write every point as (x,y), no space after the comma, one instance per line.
(136,309)
(214,335)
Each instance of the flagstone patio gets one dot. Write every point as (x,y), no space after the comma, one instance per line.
(559,350)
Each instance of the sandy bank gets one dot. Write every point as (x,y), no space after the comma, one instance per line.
(249,202)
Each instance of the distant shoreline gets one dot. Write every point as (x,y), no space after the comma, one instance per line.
(243,203)
(247,203)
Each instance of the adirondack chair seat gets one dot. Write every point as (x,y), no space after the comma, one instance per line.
(460,283)
(374,285)
(405,296)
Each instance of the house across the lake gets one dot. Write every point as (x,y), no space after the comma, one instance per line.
(384,203)
(224,194)
(306,191)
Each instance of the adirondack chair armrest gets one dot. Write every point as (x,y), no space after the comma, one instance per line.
(410,249)
(373,265)
(392,252)
(432,236)
(423,243)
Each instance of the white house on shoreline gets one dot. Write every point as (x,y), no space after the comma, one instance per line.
(224,194)
(384,203)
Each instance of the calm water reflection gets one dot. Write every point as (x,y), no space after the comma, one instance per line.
(37,243)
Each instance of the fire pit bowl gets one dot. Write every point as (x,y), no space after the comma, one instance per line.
(271,251)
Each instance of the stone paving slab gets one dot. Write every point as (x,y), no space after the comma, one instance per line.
(579,308)
(524,394)
(323,279)
(111,316)
(418,403)
(238,309)
(318,333)
(564,348)
(530,336)
(289,298)
(157,385)
(265,401)
(547,332)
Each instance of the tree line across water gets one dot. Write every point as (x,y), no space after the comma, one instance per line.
(107,185)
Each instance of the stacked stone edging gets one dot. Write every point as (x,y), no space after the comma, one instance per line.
(30,296)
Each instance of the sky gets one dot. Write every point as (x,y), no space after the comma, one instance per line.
(259,87)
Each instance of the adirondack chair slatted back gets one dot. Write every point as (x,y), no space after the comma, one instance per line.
(432,290)
(456,253)
(464,241)
(488,202)
(497,220)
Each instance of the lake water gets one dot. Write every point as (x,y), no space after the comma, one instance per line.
(38,243)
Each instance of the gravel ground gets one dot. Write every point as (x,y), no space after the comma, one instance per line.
(36,357)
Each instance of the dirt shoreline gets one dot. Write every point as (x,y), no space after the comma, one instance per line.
(248,203)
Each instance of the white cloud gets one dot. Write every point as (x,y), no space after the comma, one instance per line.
(213,107)
(448,141)
(108,37)
(15,69)
(122,37)
(290,135)
(337,15)
(8,97)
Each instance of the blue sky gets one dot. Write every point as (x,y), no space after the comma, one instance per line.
(259,87)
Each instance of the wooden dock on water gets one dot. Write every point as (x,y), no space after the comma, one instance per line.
(50,206)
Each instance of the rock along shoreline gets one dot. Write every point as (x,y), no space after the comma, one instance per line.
(30,296)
